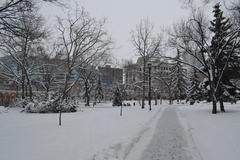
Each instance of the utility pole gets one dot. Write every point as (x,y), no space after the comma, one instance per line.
(149,85)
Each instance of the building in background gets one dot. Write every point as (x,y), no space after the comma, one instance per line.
(133,78)
(110,78)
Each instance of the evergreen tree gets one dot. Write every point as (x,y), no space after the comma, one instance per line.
(194,92)
(178,76)
(99,92)
(117,99)
(222,50)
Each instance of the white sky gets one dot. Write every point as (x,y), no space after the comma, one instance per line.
(123,16)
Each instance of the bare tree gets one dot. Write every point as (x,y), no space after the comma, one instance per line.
(9,12)
(165,82)
(8,5)
(88,76)
(20,42)
(147,46)
(48,67)
(83,41)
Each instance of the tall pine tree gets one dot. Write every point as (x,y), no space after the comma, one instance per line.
(178,76)
(222,50)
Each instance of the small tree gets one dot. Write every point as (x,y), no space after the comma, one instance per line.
(87,76)
(99,91)
(117,99)
(166,81)
(194,91)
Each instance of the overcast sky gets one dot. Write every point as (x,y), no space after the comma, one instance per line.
(124,15)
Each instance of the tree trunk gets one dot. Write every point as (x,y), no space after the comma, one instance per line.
(23,85)
(212,81)
(64,94)
(17,87)
(87,94)
(170,96)
(88,100)
(214,103)
(30,88)
(30,91)
(220,96)
(221,105)
(26,90)
(60,117)
(121,110)
(17,90)
(144,79)
(143,93)
(47,93)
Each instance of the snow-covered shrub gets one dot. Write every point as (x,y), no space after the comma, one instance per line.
(20,103)
(30,107)
(3,109)
(49,107)
(71,107)
(117,100)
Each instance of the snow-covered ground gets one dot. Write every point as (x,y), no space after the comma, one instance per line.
(93,133)
(101,134)
(215,136)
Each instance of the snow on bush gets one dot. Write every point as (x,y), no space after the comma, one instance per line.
(3,109)
(49,107)
(20,103)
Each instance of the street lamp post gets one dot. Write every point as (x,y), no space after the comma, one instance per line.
(149,86)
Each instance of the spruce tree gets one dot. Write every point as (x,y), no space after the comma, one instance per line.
(194,92)
(117,98)
(98,91)
(178,76)
(223,55)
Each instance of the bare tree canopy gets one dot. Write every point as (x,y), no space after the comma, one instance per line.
(83,41)
(148,45)
(20,38)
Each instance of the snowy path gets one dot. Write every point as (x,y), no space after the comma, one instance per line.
(169,141)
